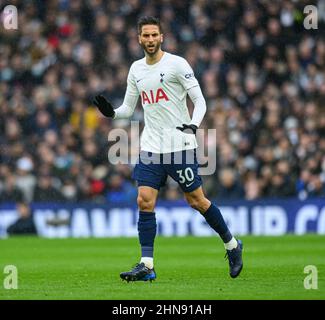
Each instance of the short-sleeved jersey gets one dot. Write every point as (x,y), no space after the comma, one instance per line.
(163,89)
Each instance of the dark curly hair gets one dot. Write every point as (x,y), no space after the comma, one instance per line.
(148,20)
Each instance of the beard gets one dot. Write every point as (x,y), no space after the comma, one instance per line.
(151,51)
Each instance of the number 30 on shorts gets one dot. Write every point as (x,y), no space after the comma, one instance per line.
(185,175)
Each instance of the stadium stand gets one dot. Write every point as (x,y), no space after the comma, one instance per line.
(261,72)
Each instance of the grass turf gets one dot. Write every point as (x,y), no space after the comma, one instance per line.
(187,268)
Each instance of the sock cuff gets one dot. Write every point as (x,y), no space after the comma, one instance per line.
(210,209)
(147,251)
(146,215)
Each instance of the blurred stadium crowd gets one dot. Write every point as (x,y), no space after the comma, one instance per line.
(261,72)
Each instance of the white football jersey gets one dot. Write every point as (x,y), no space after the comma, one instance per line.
(163,89)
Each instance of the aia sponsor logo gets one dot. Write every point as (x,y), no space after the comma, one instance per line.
(153,96)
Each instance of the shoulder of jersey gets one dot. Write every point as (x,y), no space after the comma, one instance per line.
(175,58)
(171,57)
(138,62)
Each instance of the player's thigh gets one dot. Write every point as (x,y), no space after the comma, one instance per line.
(147,198)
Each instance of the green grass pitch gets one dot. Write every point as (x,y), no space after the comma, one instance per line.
(187,268)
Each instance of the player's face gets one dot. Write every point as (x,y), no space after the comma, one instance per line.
(150,39)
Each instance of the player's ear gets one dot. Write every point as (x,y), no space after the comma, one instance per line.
(139,38)
(161,38)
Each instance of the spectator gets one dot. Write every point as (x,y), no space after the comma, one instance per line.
(252,187)
(45,191)
(230,187)
(10,192)
(25,179)
(24,225)
(279,188)
(120,191)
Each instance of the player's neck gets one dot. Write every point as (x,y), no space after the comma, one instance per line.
(155,58)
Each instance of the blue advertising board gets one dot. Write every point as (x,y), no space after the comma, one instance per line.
(176,218)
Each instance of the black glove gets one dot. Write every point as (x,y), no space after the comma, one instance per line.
(104,106)
(188,128)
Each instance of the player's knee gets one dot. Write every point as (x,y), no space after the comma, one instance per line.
(145,203)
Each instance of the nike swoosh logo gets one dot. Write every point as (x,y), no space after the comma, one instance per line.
(188,185)
(139,80)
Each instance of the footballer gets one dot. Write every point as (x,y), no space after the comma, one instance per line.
(163,80)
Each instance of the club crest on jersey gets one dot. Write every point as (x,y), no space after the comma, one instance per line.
(153,97)
(162,77)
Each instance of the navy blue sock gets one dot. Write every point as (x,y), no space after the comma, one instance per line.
(215,220)
(147,228)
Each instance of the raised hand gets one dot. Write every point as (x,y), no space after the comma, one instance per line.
(104,106)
